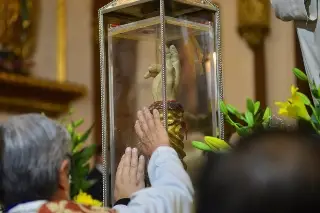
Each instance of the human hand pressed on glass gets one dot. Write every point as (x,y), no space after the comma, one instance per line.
(130,174)
(150,131)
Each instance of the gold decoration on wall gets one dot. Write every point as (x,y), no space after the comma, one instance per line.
(18,29)
(61,41)
(28,94)
(254,20)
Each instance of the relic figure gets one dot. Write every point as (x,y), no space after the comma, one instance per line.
(176,123)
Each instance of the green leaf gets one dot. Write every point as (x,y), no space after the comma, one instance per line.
(77,123)
(223,107)
(304,98)
(315,93)
(250,105)
(88,151)
(249,118)
(231,122)
(76,156)
(265,124)
(84,171)
(256,107)
(85,185)
(232,109)
(317,108)
(79,159)
(314,119)
(243,131)
(85,135)
(299,74)
(318,92)
(266,115)
(228,119)
(70,129)
(258,117)
(201,146)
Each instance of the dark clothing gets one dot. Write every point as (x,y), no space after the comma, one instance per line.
(123,201)
(96,190)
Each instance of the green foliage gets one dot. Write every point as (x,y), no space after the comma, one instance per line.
(81,154)
(314,107)
(247,121)
(299,74)
(201,146)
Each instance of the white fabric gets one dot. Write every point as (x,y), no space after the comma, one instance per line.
(171,191)
(294,10)
(308,29)
(30,207)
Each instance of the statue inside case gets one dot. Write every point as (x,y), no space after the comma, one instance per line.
(136,38)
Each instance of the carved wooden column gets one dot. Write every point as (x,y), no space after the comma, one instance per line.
(254,23)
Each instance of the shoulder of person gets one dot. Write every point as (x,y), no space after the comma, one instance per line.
(71,207)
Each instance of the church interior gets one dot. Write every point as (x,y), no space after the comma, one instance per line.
(49,63)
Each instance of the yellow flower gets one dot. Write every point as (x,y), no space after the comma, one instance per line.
(85,199)
(294,106)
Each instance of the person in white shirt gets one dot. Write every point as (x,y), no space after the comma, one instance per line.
(171,189)
(35,169)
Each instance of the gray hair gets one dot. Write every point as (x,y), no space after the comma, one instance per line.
(34,148)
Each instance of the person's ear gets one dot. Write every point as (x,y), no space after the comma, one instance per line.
(64,175)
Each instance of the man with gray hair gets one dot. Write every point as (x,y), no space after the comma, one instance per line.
(35,168)
(35,164)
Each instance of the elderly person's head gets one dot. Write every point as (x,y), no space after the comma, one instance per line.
(270,172)
(35,160)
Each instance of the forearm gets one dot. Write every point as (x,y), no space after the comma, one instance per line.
(165,169)
(171,190)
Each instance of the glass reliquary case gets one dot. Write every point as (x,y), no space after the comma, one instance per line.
(164,54)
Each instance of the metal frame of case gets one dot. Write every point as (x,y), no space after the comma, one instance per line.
(108,162)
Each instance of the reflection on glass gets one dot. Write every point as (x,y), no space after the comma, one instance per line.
(135,64)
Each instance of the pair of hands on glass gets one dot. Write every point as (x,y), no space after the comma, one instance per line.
(130,173)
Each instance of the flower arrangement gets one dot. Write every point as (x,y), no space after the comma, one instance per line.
(85,199)
(297,106)
(80,168)
(243,123)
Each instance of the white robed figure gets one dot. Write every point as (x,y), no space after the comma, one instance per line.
(304,13)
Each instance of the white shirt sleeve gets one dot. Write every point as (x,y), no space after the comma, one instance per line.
(295,10)
(171,191)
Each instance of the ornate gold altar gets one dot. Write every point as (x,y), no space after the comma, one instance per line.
(165,54)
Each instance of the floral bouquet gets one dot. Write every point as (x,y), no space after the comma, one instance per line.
(299,107)
(80,168)
(244,123)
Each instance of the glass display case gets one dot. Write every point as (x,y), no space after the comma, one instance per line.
(164,55)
